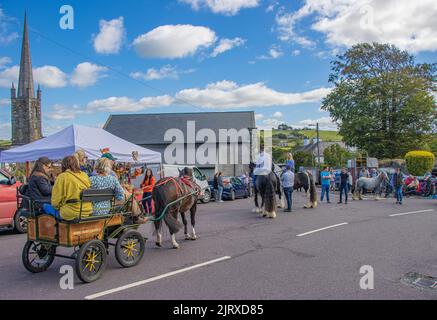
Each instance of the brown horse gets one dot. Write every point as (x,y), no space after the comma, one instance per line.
(168,190)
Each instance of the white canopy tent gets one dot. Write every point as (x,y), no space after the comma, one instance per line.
(76,137)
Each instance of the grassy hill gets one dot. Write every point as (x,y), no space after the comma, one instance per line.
(285,141)
(5,143)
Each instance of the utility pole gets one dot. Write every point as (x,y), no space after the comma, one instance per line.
(318,146)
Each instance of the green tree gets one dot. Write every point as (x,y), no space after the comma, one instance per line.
(303,159)
(336,156)
(382,101)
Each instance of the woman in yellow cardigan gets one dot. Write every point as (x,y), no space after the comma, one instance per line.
(68,186)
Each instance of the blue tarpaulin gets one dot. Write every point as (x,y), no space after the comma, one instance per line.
(74,138)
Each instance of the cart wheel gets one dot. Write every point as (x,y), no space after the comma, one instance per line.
(37,257)
(91,261)
(129,248)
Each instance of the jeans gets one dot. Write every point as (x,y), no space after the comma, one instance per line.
(220,193)
(147,203)
(325,189)
(289,196)
(399,196)
(345,188)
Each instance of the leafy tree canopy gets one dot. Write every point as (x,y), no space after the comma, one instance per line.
(382,100)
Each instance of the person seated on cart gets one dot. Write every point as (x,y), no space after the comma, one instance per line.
(40,183)
(66,203)
(104,180)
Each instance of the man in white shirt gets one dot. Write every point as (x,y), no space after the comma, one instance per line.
(263,165)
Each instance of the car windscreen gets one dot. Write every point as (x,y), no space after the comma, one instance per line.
(3,179)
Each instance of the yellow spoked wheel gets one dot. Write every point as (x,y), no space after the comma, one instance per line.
(129,248)
(91,261)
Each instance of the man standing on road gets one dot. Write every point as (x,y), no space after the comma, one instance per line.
(220,187)
(344,185)
(215,186)
(287,180)
(398,183)
(326,184)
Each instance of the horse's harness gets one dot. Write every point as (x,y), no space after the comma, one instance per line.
(182,180)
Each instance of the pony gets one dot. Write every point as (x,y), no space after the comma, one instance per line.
(369,184)
(268,185)
(306,181)
(168,190)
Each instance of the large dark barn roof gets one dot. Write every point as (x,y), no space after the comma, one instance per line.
(149,129)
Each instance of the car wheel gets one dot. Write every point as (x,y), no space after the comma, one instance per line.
(206,197)
(233,195)
(20,222)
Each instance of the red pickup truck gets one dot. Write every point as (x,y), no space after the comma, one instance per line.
(10,217)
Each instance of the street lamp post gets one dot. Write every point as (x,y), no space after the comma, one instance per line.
(318,140)
(318,144)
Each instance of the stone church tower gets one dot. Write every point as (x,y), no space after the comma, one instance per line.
(26,108)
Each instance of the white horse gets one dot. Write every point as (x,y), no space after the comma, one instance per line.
(369,184)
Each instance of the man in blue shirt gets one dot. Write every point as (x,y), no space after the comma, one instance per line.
(326,183)
(287,180)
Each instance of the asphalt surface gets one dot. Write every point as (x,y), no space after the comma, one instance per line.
(262,258)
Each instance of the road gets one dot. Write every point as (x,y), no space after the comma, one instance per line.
(306,254)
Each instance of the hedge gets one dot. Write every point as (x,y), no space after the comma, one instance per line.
(419,162)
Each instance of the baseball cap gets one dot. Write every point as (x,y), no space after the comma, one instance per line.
(109,156)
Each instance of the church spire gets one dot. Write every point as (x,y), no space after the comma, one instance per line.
(25,82)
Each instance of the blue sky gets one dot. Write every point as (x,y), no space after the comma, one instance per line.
(148,56)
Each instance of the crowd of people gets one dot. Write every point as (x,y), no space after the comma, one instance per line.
(60,195)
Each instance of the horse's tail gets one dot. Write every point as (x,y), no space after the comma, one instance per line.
(172,223)
(270,196)
(313,190)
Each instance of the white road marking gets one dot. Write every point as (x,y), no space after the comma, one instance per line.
(412,212)
(139,283)
(314,231)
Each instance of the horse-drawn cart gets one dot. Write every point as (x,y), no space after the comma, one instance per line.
(90,237)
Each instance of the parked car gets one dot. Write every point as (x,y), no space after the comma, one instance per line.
(198,176)
(234,188)
(10,217)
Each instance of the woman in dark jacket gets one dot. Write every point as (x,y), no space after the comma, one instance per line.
(40,185)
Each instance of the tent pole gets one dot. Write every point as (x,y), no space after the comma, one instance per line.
(27,170)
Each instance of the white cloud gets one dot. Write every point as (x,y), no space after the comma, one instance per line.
(5,131)
(50,77)
(4,61)
(278,115)
(325,123)
(219,95)
(274,53)
(229,95)
(166,72)
(295,53)
(61,112)
(270,124)
(86,74)
(173,41)
(226,45)
(125,104)
(226,7)
(111,36)
(9,75)
(410,25)
(259,116)
(5,102)
(6,36)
